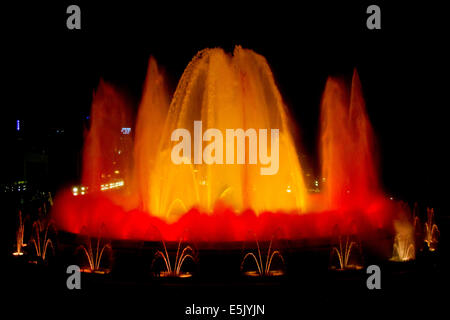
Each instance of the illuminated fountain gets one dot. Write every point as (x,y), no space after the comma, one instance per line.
(94,256)
(346,254)
(19,237)
(41,238)
(187,252)
(263,267)
(343,252)
(223,202)
(431,231)
(346,133)
(225,92)
(404,248)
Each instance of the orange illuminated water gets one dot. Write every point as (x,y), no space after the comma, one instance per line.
(133,187)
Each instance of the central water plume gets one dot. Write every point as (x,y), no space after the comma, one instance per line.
(226,92)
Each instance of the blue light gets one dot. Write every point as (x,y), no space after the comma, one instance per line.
(126,130)
(18,125)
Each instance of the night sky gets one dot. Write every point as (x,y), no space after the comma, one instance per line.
(52,72)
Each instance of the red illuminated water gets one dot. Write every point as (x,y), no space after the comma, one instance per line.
(132,190)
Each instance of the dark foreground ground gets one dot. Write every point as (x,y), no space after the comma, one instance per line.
(132,291)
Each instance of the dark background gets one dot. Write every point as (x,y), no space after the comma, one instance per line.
(51,73)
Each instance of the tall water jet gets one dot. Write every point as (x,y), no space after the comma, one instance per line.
(347,148)
(149,127)
(227,92)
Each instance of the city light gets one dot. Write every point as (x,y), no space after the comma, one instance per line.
(79,190)
(112,185)
(17,186)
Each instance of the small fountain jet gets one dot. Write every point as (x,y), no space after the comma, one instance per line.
(404,248)
(19,237)
(94,258)
(263,269)
(41,239)
(187,253)
(431,231)
(343,252)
